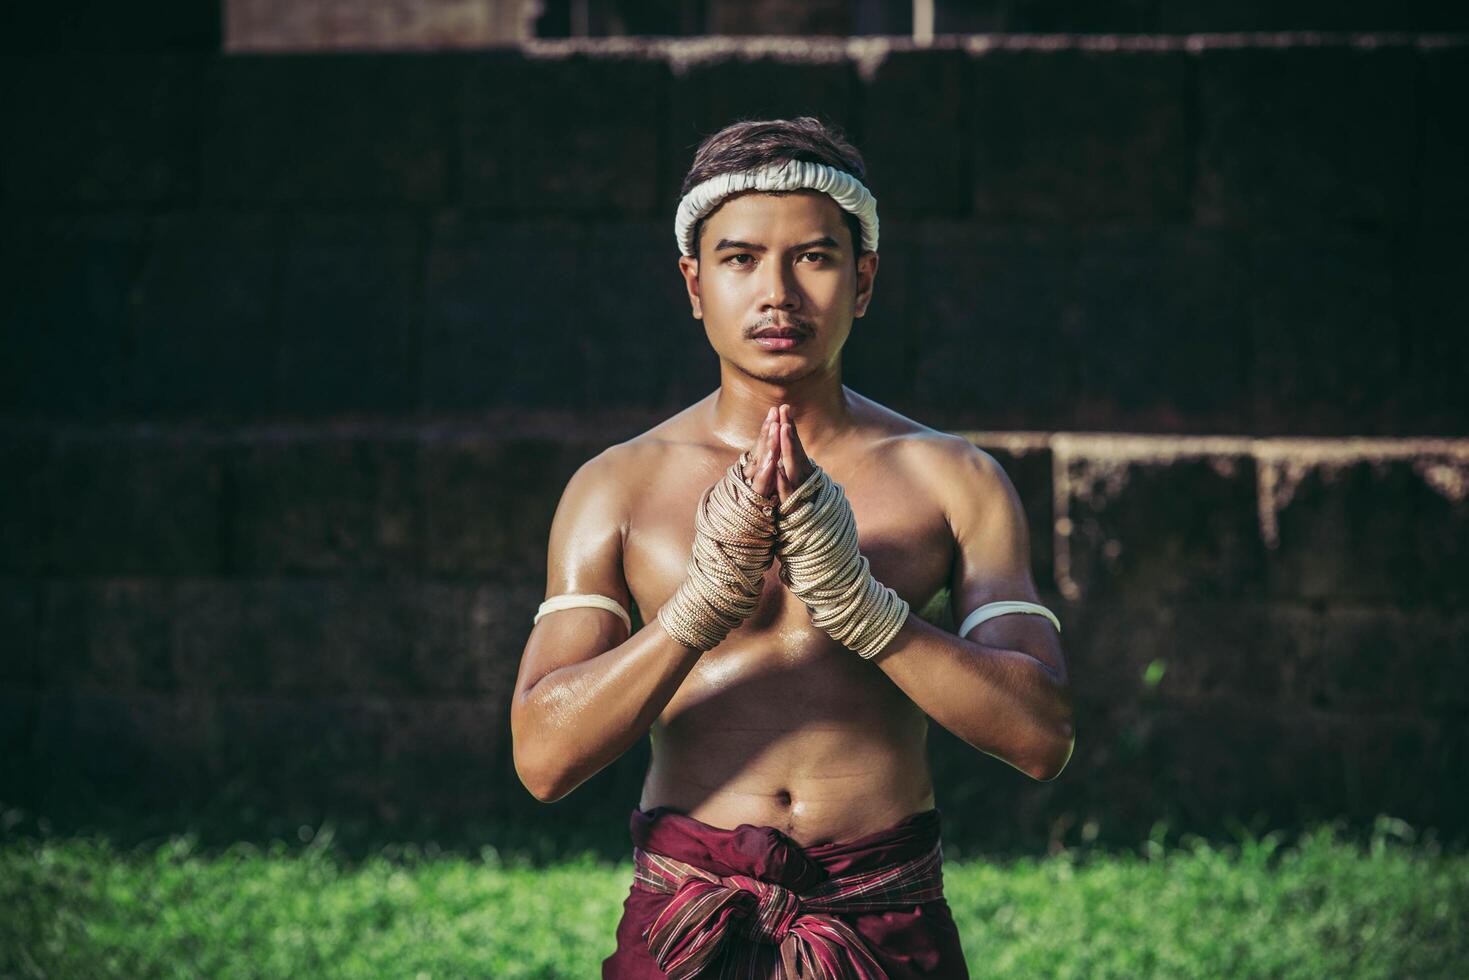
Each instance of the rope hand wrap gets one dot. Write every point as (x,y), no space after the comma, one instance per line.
(734,542)
(821,564)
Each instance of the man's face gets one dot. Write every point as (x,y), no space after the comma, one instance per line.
(778,261)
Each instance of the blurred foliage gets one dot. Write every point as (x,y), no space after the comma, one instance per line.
(1392,904)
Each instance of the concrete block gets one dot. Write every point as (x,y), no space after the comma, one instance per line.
(1444,79)
(338,129)
(1338,523)
(203,318)
(74,26)
(1153,332)
(1309,15)
(322,752)
(1158,517)
(1227,756)
(99,748)
(1060,17)
(642,346)
(1436,360)
(18,712)
(93,129)
(335,638)
(25,505)
(1388,658)
(134,505)
(881,352)
(498,314)
(67,280)
(1073,135)
(1326,335)
(1306,137)
(984,313)
(1440,507)
(488,505)
(20,626)
(1270,653)
(349,314)
(600,156)
(294,637)
(913,111)
(443,748)
(308,505)
(107,635)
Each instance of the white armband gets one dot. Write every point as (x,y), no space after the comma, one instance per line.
(572,600)
(992,609)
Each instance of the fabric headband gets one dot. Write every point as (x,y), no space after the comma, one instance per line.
(849,193)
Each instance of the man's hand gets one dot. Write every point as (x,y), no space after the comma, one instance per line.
(734,545)
(763,459)
(816,542)
(795,465)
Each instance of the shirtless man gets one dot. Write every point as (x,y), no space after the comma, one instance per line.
(778,729)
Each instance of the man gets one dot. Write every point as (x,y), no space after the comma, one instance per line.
(782,528)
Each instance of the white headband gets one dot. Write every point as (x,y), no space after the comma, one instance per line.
(849,193)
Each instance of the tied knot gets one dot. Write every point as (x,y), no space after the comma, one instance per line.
(775,910)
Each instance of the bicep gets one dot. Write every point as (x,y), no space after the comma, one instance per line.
(992,559)
(584,555)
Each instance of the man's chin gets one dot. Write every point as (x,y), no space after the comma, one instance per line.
(787,371)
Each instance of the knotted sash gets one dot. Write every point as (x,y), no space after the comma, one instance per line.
(769,929)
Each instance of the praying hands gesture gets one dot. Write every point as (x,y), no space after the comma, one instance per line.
(777,462)
(816,542)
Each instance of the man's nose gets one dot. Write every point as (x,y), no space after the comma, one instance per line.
(781,290)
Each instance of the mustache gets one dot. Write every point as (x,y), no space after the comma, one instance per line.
(802,325)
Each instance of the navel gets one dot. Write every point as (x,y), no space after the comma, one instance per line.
(783,797)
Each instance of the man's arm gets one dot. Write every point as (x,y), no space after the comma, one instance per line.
(586,691)
(1004,690)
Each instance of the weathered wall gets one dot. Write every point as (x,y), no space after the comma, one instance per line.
(330,618)
(300,351)
(1152,234)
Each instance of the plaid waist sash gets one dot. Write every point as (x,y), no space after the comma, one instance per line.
(769,930)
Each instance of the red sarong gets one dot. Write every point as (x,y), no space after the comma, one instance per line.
(752,903)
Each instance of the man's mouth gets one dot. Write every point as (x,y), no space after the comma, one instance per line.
(779,338)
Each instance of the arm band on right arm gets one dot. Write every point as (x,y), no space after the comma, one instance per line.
(573,600)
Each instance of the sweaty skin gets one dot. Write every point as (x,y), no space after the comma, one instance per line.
(779,725)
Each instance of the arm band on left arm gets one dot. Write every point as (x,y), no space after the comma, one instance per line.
(992,609)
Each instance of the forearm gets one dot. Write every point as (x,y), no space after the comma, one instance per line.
(1002,702)
(577,719)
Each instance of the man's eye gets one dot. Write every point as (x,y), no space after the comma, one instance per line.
(739,255)
(820,256)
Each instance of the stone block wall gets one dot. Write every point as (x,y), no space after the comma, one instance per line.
(322,619)
(1246,235)
(300,352)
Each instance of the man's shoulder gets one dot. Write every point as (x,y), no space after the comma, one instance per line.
(956,474)
(636,458)
(924,445)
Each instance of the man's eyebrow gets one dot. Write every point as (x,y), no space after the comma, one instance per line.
(826,241)
(726,243)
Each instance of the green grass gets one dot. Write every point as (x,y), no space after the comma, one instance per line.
(1321,906)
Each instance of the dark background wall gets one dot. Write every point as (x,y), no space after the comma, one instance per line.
(300,351)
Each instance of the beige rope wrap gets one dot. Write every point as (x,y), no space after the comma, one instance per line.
(820,562)
(734,542)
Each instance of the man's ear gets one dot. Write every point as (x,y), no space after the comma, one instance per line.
(866,275)
(689,267)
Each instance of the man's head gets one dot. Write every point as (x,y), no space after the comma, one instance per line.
(765,259)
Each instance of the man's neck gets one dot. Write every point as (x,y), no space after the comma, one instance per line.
(820,407)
